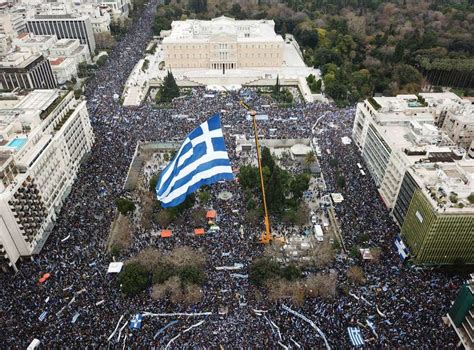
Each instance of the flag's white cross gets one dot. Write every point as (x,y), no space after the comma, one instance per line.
(206,137)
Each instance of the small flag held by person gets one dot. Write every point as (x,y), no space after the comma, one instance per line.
(201,160)
(43,316)
(355,336)
(136,322)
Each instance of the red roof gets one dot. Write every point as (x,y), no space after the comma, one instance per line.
(57,61)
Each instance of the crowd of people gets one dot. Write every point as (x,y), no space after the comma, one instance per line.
(84,304)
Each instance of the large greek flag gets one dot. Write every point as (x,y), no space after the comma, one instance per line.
(201,160)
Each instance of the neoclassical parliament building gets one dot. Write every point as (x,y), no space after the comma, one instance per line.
(222,43)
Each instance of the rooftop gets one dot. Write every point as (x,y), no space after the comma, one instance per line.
(425,107)
(18,60)
(448,186)
(34,39)
(63,43)
(242,30)
(58,17)
(57,61)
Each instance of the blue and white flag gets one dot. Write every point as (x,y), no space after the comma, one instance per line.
(43,316)
(75,317)
(201,160)
(136,322)
(402,250)
(355,336)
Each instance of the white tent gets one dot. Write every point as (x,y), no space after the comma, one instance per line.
(115,267)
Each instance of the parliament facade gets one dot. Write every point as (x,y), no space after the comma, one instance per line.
(222,43)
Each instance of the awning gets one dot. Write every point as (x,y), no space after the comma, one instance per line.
(211,214)
(115,267)
(199,231)
(165,233)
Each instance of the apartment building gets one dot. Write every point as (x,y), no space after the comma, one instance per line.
(71,48)
(64,26)
(44,136)
(394,133)
(24,70)
(118,8)
(222,43)
(12,24)
(36,44)
(413,162)
(435,209)
(64,69)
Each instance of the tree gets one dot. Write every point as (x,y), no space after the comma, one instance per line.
(248,177)
(306,34)
(163,272)
(275,192)
(341,181)
(82,69)
(406,74)
(336,89)
(198,6)
(163,218)
(309,157)
(153,182)
(251,204)
(168,90)
(199,217)
(267,159)
(320,285)
(355,274)
(291,272)
(191,274)
(263,269)
(104,40)
(77,94)
(204,196)
(470,198)
(277,87)
(101,60)
(299,184)
(133,279)
(322,56)
(125,205)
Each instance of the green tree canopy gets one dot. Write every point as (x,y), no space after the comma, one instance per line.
(125,205)
(133,279)
(168,89)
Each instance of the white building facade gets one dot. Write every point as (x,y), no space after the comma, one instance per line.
(222,44)
(64,69)
(12,24)
(71,48)
(64,26)
(43,140)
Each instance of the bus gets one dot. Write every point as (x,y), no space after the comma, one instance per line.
(359,166)
(362,172)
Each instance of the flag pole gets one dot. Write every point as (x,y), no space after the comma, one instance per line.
(266,235)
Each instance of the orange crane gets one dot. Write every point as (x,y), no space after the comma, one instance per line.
(266,236)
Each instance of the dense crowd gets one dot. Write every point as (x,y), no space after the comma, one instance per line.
(405,305)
